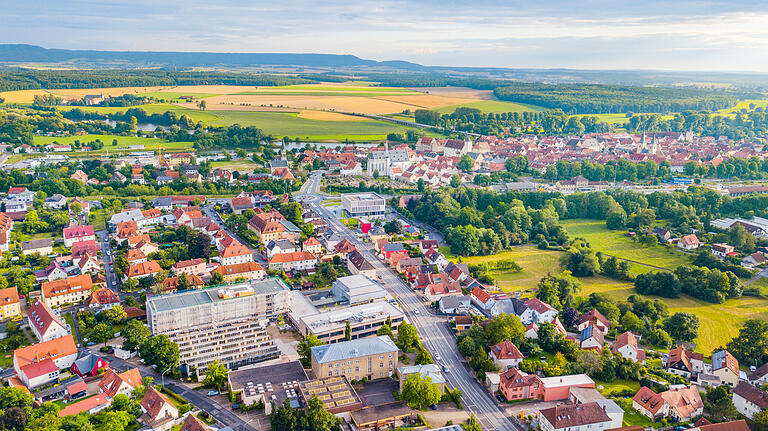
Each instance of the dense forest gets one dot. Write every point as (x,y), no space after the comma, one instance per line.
(746,124)
(605,99)
(27,79)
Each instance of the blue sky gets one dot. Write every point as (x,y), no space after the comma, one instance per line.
(642,34)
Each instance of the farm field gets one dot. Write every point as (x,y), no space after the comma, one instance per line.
(123,142)
(237,165)
(494,106)
(615,243)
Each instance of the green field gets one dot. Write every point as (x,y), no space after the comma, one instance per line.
(278,124)
(495,106)
(616,243)
(123,142)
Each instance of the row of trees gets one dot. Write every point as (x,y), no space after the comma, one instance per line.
(709,285)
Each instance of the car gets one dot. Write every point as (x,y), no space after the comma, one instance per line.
(500,398)
(16,318)
(416,312)
(237,406)
(752,368)
(437,357)
(445,368)
(212,393)
(433,406)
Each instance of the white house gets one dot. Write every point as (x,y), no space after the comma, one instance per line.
(575,417)
(749,400)
(45,324)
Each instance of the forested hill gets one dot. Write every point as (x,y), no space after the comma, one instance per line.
(34,54)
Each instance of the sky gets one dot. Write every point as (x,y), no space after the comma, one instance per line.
(707,35)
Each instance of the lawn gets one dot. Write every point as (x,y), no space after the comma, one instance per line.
(123,143)
(633,417)
(495,106)
(616,243)
(236,165)
(616,386)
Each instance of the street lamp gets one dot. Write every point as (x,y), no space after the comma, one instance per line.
(162,376)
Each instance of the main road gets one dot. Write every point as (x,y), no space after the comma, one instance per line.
(434,332)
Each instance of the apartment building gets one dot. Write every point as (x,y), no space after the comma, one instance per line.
(363,204)
(225,323)
(70,290)
(372,358)
(240,271)
(9,303)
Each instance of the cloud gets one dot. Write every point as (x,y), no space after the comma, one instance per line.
(686,34)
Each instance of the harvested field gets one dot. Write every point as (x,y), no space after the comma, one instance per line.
(21,96)
(329,116)
(113,92)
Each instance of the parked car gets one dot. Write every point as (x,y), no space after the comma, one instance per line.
(212,393)
(433,407)
(500,398)
(236,406)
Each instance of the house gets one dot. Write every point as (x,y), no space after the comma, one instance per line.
(721,250)
(56,202)
(428,244)
(70,290)
(238,271)
(43,247)
(435,291)
(749,399)
(664,235)
(457,271)
(650,404)
(172,284)
(626,346)
(684,403)
(726,368)
(159,412)
(190,267)
(312,245)
(482,299)
(296,261)
(463,322)
(39,364)
(79,175)
(740,425)
(684,363)
(593,318)
(358,264)
(81,248)
(123,383)
(278,247)
(541,311)
(753,260)
(192,423)
(241,203)
(87,264)
(91,405)
(575,417)
(759,377)
(689,242)
(54,271)
(144,269)
(103,299)
(9,303)
(45,324)
(393,248)
(89,365)
(6,225)
(135,255)
(77,234)
(454,304)
(517,385)
(430,371)
(506,355)
(231,251)
(591,338)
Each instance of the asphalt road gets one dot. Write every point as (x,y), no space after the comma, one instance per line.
(109,263)
(433,330)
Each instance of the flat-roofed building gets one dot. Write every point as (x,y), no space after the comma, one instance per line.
(358,289)
(225,323)
(364,321)
(363,204)
(372,358)
(336,393)
(269,383)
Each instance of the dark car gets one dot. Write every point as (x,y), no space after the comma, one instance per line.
(237,406)
(500,398)
(433,407)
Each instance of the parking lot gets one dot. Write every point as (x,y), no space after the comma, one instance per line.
(378,392)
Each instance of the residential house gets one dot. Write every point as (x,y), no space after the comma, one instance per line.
(689,242)
(753,260)
(517,385)
(725,367)
(684,363)
(87,264)
(388,250)
(113,383)
(312,245)
(9,303)
(591,338)
(482,299)
(135,255)
(43,247)
(759,377)
(721,250)
(433,292)
(45,324)
(90,405)
(279,247)
(575,417)
(70,290)
(6,225)
(231,251)
(454,304)
(684,403)
(103,299)
(172,284)
(506,355)
(238,271)
(626,345)
(541,312)
(430,371)
(296,261)
(159,413)
(463,322)
(650,404)
(39,364)
(457,271)
(54,271)
(358,264)
(190,267)
(749,399)
(144,269)
(593,318)
(89,365)
(56,202)
(82,248)
(78,233)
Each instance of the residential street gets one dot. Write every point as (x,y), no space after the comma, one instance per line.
(433,330)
